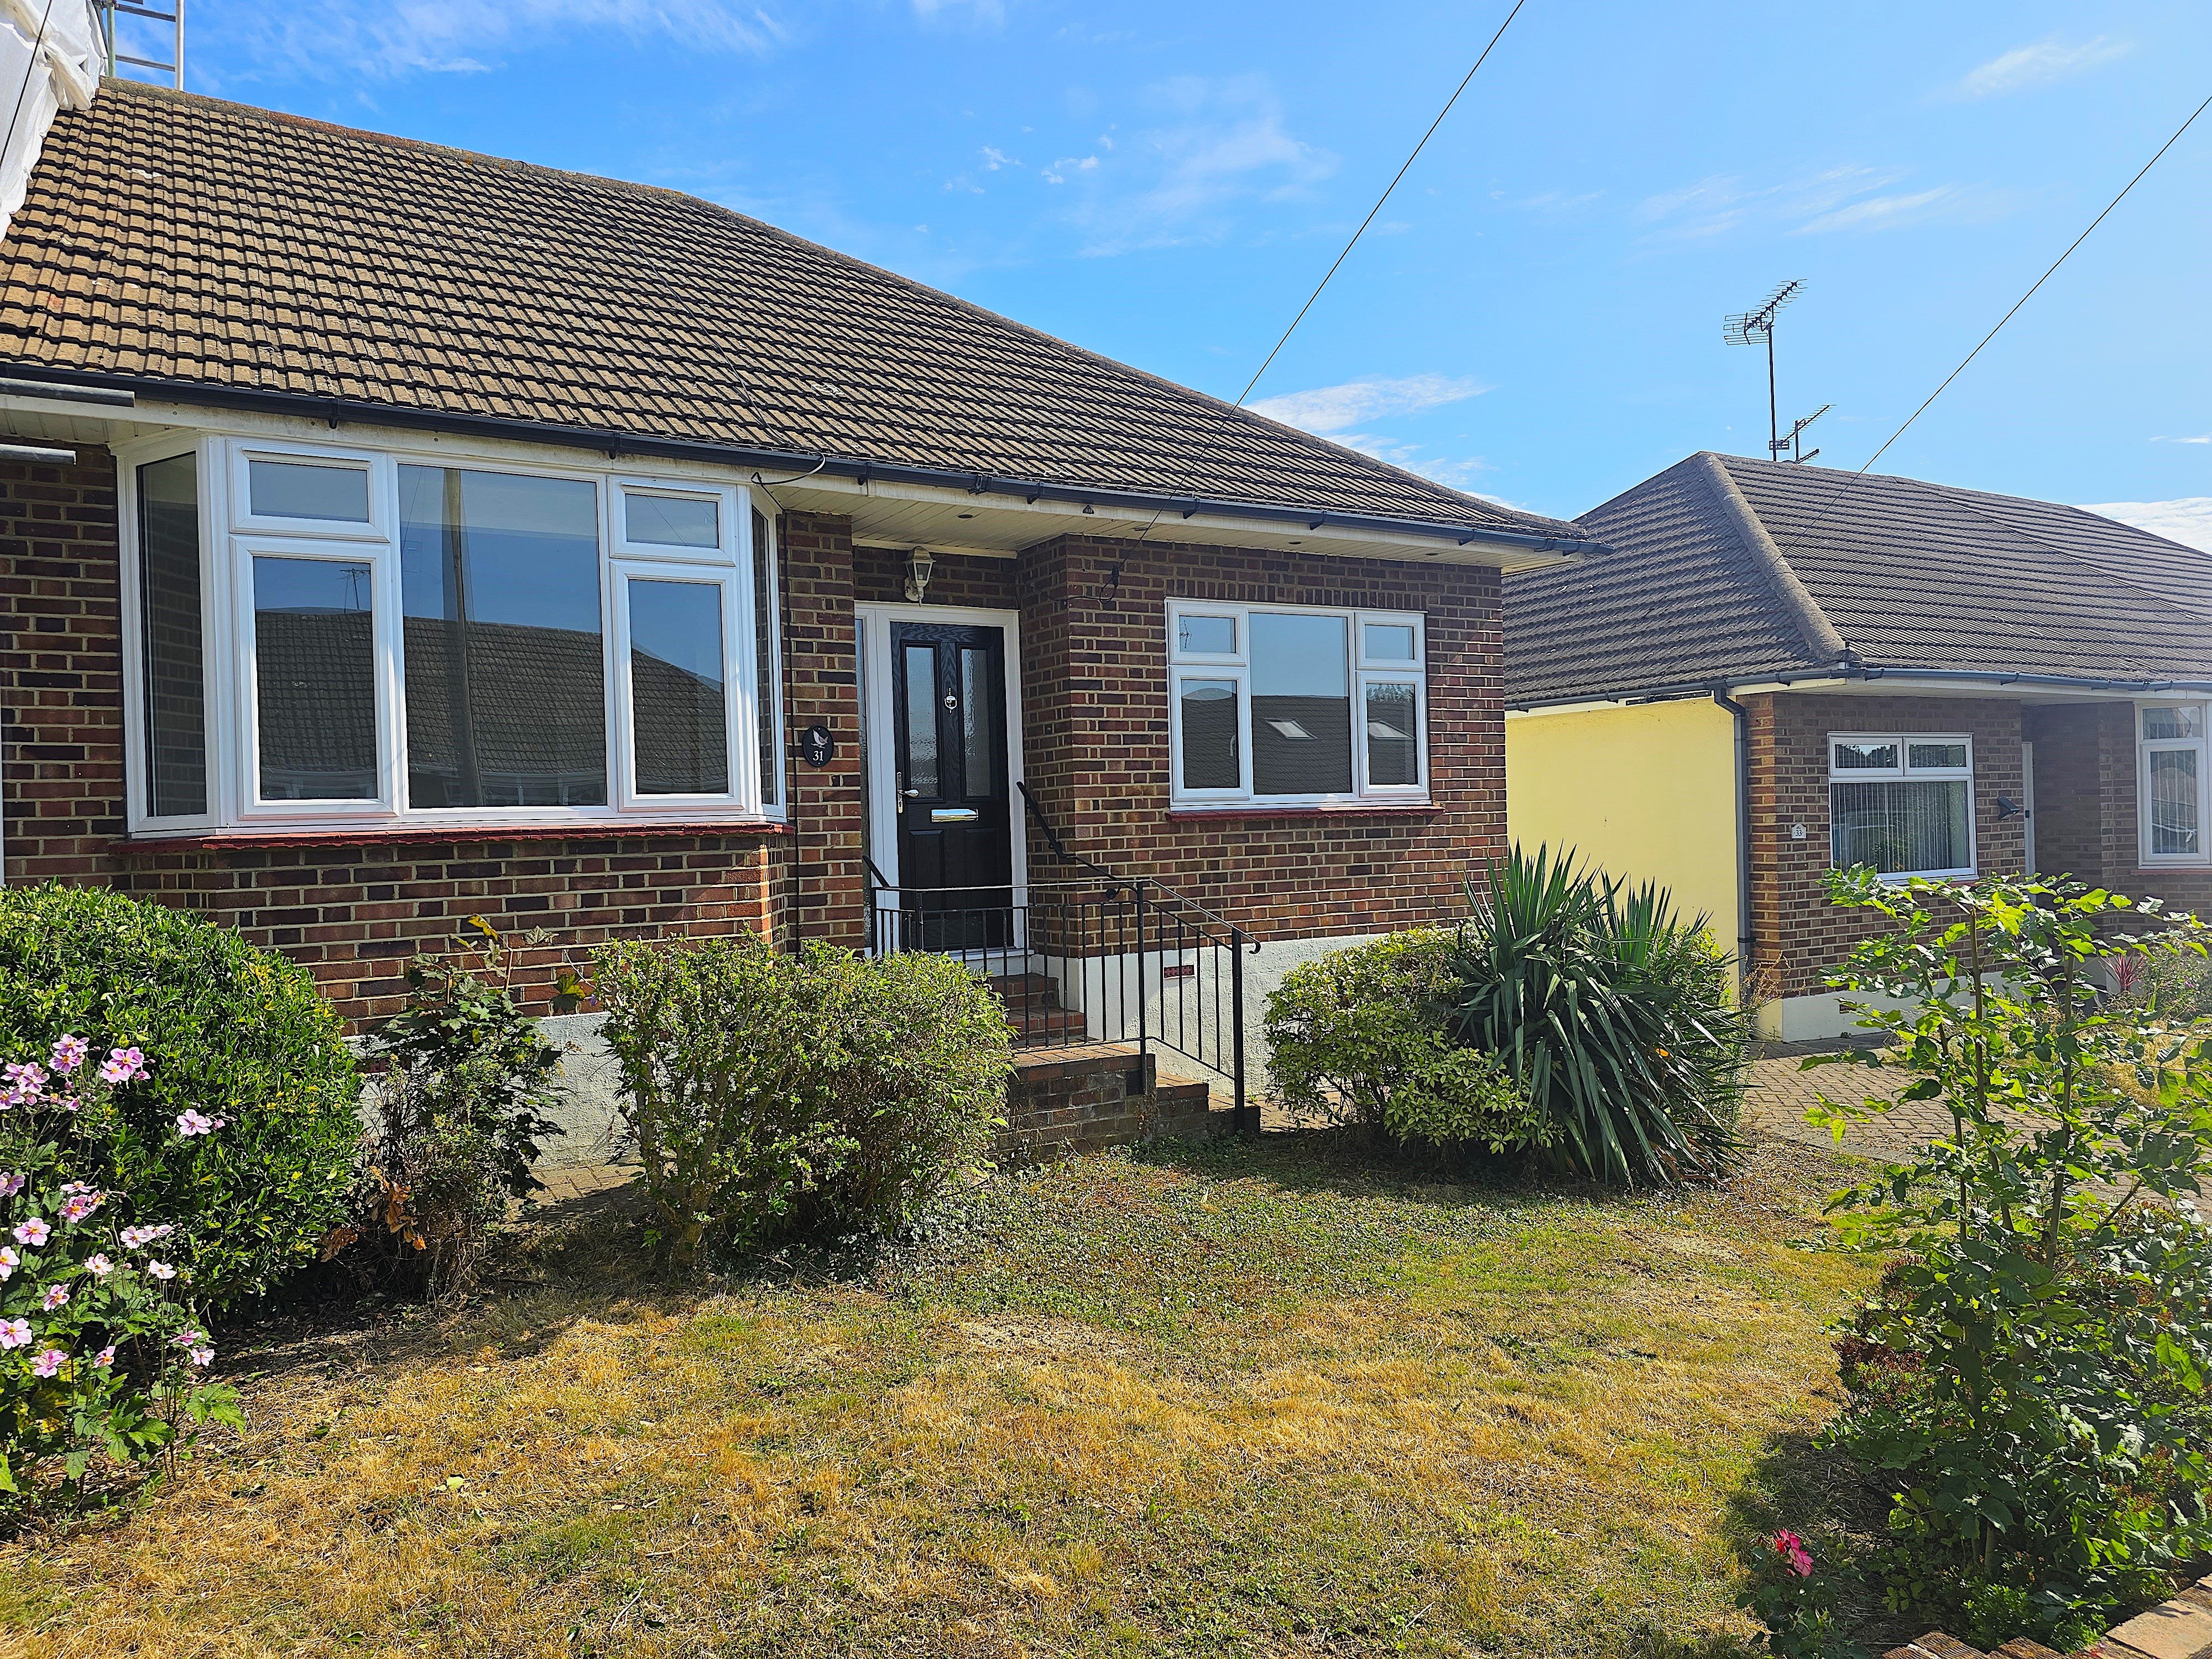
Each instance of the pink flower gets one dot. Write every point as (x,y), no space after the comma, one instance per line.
(48,1361)
(8,1262)
(1791,1548)
(134,1236)
(106,1355)
(191,1122)
(27,1080)
(99,1266)
(81,1201)
(123,1066)
(14,1333)
(67,1103)
(56,1295)
(34,1232)
(11,1184)
(68,1054)
(202,1356)
(160,1270)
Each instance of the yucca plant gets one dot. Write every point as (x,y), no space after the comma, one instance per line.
(1614,1015)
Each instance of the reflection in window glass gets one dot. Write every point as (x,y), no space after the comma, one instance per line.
(1209,636)
(502,651)
(979,746)
(1866,757)
(920,742)
(301,490)
(765,665)
(1301,705)
(1930,756)
(1389,643)
(672,520)
(2186,721)
(679,704)
(315,676)
(2175,831)
(1209,735)
(169,626)
(1392,735)
(1900,827)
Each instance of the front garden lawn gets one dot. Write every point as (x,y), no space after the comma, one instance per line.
(1232,1399)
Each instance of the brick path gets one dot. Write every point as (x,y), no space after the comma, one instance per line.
(1781,1093)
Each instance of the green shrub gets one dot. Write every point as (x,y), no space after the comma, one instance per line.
(770,1094)
(460,1116)
(232,1031)
(1615,1016)
(2169,984)
(2034,1377)
(1357,1036)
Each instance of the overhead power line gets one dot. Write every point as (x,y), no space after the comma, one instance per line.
(2039,282)
(1379,201)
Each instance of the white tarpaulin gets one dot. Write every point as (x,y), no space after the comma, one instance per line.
(51,57)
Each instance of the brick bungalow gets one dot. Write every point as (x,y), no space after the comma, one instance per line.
(445,535)
(1777,670)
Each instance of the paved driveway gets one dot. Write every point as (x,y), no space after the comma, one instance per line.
(1781,1093)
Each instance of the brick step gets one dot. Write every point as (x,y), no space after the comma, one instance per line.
(1034,1026)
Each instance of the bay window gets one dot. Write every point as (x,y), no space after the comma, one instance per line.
(2175,798)
(1295,705)
(1902,803)
(332,637)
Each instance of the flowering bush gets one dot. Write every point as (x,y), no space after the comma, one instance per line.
(242,1034)
(1796,1603)
(99,1351)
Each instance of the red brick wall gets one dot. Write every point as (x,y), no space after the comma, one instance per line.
(1095,716)
(1798,936)
(961,578)
(826,897)
(2070,789)
(2121,801)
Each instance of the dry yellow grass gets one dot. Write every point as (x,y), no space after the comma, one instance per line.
(1247,1401)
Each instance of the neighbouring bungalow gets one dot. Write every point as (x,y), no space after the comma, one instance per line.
(440,536)
(1780,670)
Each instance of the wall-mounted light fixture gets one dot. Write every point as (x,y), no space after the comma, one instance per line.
(919,564)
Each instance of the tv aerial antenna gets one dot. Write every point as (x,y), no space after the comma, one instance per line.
(108,12)
(1756,327)
(1798,454)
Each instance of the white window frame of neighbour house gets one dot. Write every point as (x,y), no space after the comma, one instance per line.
(2199,747)
(1905,772)
(231,534)
(1235,666)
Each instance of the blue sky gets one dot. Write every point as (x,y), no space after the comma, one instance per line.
(1536,315)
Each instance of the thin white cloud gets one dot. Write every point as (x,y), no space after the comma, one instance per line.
(1878,212)
(1332,409)
(2186,519)
(1838,199)
(2206,439)
(2037,64)
(981,11)
(335,38)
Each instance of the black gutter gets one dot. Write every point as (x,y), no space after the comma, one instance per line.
(615,445)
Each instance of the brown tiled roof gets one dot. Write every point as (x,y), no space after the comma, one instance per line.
(1721,568)
(181,238)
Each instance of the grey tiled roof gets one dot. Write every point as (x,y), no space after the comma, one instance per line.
(1722,569)
(175,236)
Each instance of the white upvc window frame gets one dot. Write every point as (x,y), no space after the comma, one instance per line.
(1236,667)
(230,535)
(2201,746)
(1905,772)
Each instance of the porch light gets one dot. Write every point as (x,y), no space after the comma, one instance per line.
(919,564)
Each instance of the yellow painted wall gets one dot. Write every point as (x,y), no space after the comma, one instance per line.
(1646,792)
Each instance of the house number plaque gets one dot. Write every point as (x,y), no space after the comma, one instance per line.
(816,746)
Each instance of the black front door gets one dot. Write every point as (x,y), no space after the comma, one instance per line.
(955,843)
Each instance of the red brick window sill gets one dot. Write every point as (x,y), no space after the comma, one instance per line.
(231,841)
(1350,810)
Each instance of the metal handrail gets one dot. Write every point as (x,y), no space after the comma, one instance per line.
(1052,839)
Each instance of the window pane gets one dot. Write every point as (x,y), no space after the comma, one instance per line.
(2186,720)
(2175,828)
(1210,636)
(1900,827)
(169,624)
(920,743)
(314,649)
(1389,643)
(1209,735)
(1931,754)
(672,520)
(1392,735)
(979,746)
(1866,757)
(680,716)
(1301,705)
(766,668)
(503,654)
(301,490)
